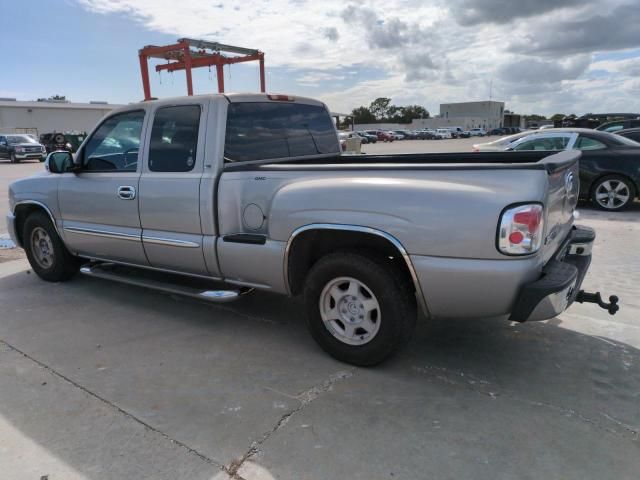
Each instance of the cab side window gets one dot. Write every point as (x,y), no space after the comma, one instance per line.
(586,143)
(174,139)
(115,145)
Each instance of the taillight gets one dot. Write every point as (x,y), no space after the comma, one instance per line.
(281,98)
(520,230)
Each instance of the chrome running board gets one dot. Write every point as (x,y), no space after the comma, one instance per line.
(176,285)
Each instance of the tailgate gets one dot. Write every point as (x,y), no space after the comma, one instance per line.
(562,196)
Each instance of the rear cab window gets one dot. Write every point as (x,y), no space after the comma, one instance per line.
(270,130)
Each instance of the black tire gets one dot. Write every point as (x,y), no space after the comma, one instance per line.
(623,185)
(63,265)
(393,292)
(13,158)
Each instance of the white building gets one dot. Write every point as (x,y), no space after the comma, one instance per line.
(49,116)
(486,114)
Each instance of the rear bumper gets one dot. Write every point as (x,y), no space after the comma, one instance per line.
(560,282)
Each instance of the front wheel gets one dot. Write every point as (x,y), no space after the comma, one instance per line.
(360,309)
(613,192)
(13,158)
(45,251)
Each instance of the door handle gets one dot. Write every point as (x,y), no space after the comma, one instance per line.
(126,192)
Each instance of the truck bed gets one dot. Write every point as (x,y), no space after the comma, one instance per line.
(418,161)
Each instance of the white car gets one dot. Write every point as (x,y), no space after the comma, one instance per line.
(396,135)
(443,133)
(477,132)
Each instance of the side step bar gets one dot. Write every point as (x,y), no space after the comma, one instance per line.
(111,271)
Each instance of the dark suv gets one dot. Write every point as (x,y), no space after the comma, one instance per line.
(18,146)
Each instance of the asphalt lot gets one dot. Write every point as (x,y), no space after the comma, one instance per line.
(105,381)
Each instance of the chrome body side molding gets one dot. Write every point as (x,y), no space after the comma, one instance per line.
(171,242)
(358,228)
(103,233)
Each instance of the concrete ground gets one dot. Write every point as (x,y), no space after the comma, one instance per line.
(105,381)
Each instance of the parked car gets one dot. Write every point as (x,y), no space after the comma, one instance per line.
(17,147)
(459,132)
(433,133)
(255,212)
(477,132)
(619,125)
(369,137)
(498,131)
(443,133)
(407,134)
(396,135)
(425,134)
(363,139)
(632,133)
(344,136)
(609,166)
(381,135)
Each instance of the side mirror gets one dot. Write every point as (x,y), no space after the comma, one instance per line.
(59,161)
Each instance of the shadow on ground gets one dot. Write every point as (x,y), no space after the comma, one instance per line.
(135,373)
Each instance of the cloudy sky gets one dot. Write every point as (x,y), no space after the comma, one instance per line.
(539,56)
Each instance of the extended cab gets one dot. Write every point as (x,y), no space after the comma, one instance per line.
(211,196)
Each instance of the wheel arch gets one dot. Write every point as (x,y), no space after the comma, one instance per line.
(23,209)
(309,243)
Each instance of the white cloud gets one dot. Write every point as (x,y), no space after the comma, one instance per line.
(536,55)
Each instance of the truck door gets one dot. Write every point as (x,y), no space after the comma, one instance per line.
(170,188)
(99,204)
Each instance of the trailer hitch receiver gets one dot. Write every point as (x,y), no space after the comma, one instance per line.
(612,307)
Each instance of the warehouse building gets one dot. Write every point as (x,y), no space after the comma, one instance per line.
(485,114)
(50,116)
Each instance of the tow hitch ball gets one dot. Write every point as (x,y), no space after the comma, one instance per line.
(612,307)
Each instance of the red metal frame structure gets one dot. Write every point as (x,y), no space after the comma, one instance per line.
(188,53)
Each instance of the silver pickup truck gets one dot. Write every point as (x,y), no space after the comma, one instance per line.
(213,196)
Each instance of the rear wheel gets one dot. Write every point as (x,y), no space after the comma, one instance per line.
(360,309)
(13,158)
(613,192)
(47,255)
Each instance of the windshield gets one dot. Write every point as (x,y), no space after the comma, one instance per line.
(15,139)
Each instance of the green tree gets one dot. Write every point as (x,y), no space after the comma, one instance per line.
(380,108)
(535,117)
(363,115)
(557,117)
(408,113)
